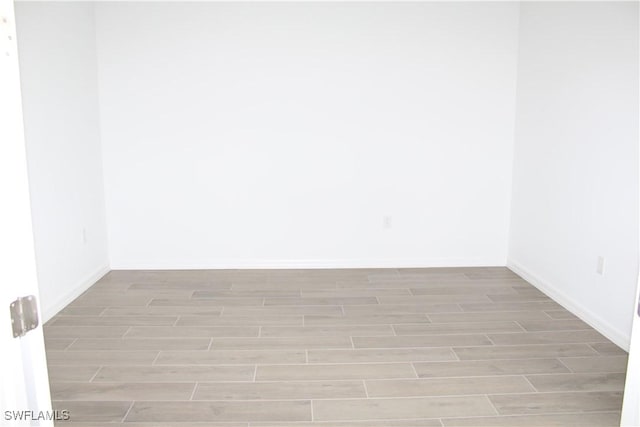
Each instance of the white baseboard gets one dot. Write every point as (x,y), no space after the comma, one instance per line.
(618,337)
(51,308)
(308,264)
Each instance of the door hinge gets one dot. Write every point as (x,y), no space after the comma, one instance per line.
(24,315)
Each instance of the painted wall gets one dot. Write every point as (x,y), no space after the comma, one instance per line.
(243,135)
(60,95)
(575,181)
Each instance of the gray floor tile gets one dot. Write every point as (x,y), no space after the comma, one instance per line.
(280,390)
(523,351)
(448,386)
(489,367)
(596,364)
(230,357)
(292,410)
(334,372)
(421,341)
(591,419)
(121,391)
(544,403)
(457,328)
(420,407)
(174,374)
(381,355)
(578,382)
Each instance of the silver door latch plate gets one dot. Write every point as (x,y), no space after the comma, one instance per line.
(24,315)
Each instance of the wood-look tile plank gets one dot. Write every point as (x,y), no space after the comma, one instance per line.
(495,316)
(102,411)
(211,302)
(510,306)
(354,293)
(297,342)
(110,301)
(121,391)
(578,382)
(448,386)
(113,321)
(368,423)
(523,351)
(548,337)
(99,357)
(545,403)
(381,355)
(174,374)
(607,348)
(59,373)
(280,390)
(231,357)
(84,331)
(180,285)
(191,331)
(382,319)
(489,368)
(401,309)
(333,330)
(58,343)
(464,289)
(176,412)
(419,407)
(587,419)
(289,310)
(321,301)
(596,364)
(421,341)
(561,314)
(553,325)
(141,344)
(239,320)
(431,299)
(247,293)
(457,328)
(334,372)
(82,311)
(162,311)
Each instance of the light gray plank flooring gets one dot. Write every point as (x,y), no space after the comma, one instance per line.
(344,348)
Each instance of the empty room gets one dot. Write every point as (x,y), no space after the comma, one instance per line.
(244,214)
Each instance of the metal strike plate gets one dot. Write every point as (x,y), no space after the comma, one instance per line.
(24,315)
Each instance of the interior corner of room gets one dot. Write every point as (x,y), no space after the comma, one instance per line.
(178,136)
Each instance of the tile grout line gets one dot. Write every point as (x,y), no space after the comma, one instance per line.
(95,374)
(492,405)
(535,389)
(128,410)
(565,365)
(72,343)
(153,362)
(193,393)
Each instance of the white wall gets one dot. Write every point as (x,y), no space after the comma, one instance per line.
(281,134)
(575,182)
(59,87)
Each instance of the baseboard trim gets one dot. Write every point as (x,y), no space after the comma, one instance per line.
(50,309)
(618,337)
(310,264)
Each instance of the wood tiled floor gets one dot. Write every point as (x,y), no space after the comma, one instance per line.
(393,347)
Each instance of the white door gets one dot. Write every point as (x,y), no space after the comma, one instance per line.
(631,404)
(23,370)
